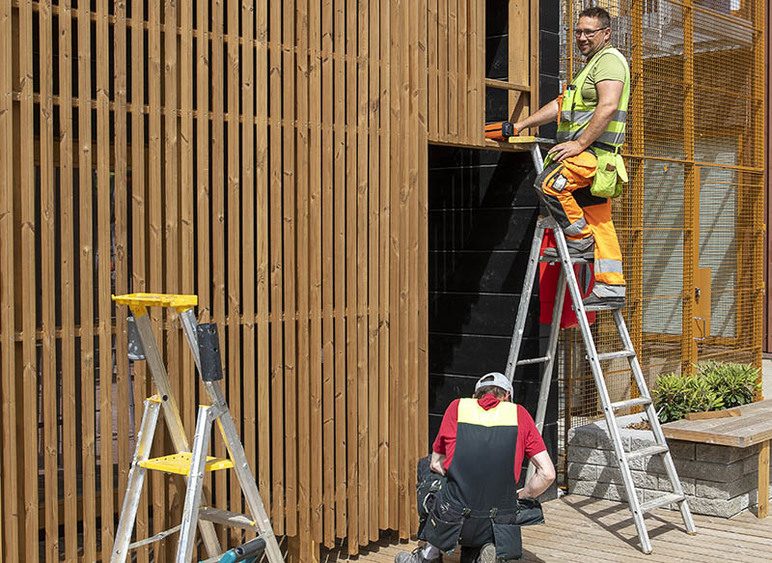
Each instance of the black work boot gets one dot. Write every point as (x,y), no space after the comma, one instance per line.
(415,557)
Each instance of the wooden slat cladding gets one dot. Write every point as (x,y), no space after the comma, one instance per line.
(455,41)
(270,157)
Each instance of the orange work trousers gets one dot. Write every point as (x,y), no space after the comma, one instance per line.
(565,189)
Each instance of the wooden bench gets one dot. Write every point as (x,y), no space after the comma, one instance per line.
(753,426)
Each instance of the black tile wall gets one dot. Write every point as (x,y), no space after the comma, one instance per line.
(482,213)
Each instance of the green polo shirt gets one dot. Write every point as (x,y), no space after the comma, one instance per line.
(608,67)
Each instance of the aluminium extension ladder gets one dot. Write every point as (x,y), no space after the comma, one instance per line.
(203,343)
(568,278)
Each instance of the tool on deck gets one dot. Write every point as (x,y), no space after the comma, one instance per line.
(192,464)
(568,278)
(500,131)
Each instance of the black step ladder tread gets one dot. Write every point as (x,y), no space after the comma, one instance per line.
(629,403)
(227,518)
(616,355)
(647,452)
(659,502)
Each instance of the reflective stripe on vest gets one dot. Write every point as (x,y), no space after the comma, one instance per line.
(575,113)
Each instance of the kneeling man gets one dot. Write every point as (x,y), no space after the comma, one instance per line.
(479,452)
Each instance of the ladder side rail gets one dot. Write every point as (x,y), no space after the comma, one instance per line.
(546,374)
(538,161)
(600,383)
(194,485)
(235,448)
(525,300)
(656,427)
(170,407)
(244,474)
(552,345)
(136,480)
(635,365)
(161,380)
(188,322)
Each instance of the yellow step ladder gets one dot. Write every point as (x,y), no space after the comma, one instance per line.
(191,463)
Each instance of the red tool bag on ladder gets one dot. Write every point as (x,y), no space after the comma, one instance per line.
(548,287)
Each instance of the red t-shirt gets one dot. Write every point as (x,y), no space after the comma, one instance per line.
(529,441)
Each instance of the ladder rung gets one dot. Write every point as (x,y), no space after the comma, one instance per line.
(529,361)
(661,501)
(646,452)
(574,259)
(616,355)
(227,518)
(638,402)
(158,537)
(180,463)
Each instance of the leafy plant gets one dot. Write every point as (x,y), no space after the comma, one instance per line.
(736,384)
(715,386)
(675,395)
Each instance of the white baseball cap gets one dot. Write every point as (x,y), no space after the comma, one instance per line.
(494,378)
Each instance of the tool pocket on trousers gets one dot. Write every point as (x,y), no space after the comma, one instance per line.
(529,512)
(441,533)
(509,544)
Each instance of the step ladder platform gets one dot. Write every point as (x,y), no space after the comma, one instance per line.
(630,403)
(647,452)
(135,300)
(660,501)
(179,464)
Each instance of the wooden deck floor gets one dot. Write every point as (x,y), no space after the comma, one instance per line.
(582,529)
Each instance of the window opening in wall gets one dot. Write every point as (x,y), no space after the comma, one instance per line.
(511,36)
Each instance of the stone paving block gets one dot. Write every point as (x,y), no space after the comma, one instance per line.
(717,472)
(682,450)
(689,485)
(743,485)
(712,490)
(719,454)
(582,471)
(640,443)
(644,480)
(591,456)
(721,508)
(583,437)
(751,464)
(604,441)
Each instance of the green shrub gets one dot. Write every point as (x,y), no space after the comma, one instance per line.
(675,395)
(715,386)
(736,384)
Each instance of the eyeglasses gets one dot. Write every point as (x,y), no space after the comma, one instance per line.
(588,33)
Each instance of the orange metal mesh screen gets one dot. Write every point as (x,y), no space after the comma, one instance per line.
(691,220)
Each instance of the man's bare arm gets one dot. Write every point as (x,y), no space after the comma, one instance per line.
(546,114)
(609,92)
(543,478)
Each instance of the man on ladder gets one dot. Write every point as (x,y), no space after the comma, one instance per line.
(585,169)
(580,174)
